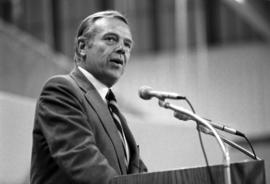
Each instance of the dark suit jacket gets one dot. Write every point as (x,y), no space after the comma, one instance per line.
(75,139)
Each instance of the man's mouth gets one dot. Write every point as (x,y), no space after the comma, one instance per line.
(117,61)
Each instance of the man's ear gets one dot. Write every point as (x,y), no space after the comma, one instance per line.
(82,46)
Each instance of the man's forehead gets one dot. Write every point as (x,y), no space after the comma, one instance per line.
(111,21)
(110,24)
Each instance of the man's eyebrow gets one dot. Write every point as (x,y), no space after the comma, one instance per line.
(110,33)
(130,40)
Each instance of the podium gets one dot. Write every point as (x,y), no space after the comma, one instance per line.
(250,172)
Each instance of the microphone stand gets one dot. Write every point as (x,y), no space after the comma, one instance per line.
(231,143)
(226,157)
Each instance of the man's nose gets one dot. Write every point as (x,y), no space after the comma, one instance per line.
(121,48)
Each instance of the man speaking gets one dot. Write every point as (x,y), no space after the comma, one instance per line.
(80,135)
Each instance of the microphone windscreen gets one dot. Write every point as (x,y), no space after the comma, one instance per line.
(144,92)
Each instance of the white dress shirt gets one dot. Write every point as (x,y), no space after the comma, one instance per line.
(100,87)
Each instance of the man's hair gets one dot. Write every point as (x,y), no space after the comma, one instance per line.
(86,29)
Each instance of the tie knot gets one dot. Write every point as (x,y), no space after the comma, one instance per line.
(110,96)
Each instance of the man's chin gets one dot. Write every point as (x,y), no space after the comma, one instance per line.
(111,80)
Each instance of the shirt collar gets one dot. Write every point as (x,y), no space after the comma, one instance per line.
(100,87)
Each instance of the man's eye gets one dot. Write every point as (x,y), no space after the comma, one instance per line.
(111,39)
(128,45)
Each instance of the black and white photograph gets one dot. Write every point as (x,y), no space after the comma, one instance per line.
(134,91)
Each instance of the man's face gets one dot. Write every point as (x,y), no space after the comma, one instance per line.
(109,50)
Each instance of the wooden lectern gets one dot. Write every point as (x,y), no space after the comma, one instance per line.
(250,172)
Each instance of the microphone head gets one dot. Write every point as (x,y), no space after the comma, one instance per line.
(144,92)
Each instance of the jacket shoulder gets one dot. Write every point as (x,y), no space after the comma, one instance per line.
(62,79)
(62,85)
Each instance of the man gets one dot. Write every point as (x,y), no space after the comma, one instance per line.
(76,137)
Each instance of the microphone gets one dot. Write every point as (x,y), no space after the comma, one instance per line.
(225,128)
(146,93)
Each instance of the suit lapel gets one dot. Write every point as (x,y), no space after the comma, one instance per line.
(134,154)
(103,113)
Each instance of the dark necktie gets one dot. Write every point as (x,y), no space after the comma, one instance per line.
(118,119)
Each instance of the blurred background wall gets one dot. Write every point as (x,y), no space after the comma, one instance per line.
(215,52)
